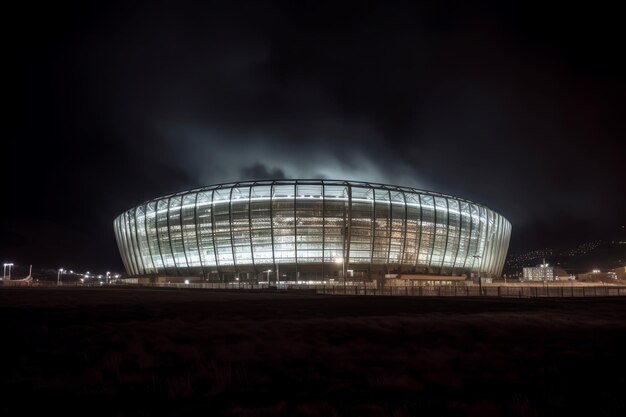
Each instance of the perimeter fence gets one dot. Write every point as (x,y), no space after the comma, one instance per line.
(511,290)
(475,291)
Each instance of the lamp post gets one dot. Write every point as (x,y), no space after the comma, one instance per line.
(7,266)
(59,276)
(269,271)
(480,281)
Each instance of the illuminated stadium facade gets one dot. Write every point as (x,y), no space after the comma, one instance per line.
(310,229)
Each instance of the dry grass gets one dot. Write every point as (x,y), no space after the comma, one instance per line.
(163,352)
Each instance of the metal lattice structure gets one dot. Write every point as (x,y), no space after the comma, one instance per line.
(310,226)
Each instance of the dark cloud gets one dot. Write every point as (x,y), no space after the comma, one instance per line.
(517,106)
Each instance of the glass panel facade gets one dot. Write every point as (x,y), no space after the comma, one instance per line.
(398,223)
(261,223)
(176,234)
(221,227)
(361,225)
(310,225)
(283,223)
(452,241)
(190,235)
(427,230)
(204,231)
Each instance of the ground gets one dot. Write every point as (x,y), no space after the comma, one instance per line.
(129,352)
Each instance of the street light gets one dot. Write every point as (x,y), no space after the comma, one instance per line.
(59,276)
(269,271)
(7,265)
(480,281)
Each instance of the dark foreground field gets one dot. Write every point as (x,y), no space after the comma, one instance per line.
(179,352)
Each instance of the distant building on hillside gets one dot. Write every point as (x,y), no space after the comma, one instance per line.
(597,275)
(620,273)
(545,272)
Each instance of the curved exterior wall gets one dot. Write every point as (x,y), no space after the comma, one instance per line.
(305,225)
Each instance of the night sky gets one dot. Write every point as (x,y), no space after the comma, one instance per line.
(519,106)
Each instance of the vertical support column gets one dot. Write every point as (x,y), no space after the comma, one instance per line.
(182,233)
(142,268)
(406,221)
(488,243)
(420,226)
(469,241)
(250,231)
(434,240)
(196,222)
(501,239)
(272,228)
(484,253)
(460,231)
(497,246)
(230,226)
(389,229)
(158,237)
(129,244)
(445,246)
(373,229)
(506,243)
(120,244)
(348,235)
(295,225)
(169,236)
(145,229)
(122,226)
(323,228)
(217,262)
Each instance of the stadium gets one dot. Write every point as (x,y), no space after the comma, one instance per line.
(310,230)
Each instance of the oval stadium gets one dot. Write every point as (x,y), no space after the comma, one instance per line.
(310,230)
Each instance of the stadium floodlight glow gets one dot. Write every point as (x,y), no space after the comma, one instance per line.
(7,266)
(304,228)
